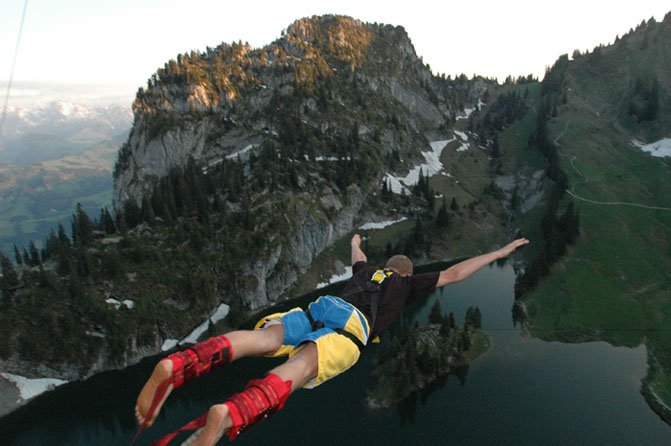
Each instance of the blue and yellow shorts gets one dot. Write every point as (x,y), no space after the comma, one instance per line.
(336,353)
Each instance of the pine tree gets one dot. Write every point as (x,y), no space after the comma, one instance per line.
(148,215)
(388,250)
(84,262)
(496,150)
(34,255)
(53,246)
(202,208)
(465,343)
(166,215)
(385,190)
(442,218)
(652,107)
(17,255)
(157,200)
(112,264)
(444,327)
(452,322)
(436,315)
(420,187)
(108,222)
(132,213)
(9,277)
(473,317)
(453,205)
(63,237)
(418,238)
(63,267)
(82,227)
(431,199)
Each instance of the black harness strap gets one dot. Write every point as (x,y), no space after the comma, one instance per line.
(351,337)
(316,325)
(374,288)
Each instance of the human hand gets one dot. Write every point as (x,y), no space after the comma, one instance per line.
(512,246)
(356,240)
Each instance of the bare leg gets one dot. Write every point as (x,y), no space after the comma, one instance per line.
(300,369)
(243,343)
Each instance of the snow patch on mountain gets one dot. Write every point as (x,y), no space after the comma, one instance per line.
(30,388)
(658,149)
(430,167)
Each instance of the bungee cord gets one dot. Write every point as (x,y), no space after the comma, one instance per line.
(11,73)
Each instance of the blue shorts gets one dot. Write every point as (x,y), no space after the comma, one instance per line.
(336,353)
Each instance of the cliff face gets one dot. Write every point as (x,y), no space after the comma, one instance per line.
(73,371)
(280,270)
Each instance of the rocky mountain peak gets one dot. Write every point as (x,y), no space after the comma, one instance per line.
(329,73)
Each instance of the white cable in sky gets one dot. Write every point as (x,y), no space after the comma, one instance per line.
(11,74)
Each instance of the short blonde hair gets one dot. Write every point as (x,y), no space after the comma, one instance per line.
(400,263)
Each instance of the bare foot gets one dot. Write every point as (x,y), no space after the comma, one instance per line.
(217,423)
(161,373)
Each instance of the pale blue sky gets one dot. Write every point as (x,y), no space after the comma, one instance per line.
(124,41)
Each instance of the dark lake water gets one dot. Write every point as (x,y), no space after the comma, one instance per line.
(522,392)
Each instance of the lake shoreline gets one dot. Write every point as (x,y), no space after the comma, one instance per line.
(445,352)
(655,402)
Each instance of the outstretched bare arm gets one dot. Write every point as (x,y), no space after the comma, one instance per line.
(467,268)
(357,253)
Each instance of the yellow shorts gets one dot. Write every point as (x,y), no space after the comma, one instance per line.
(336,352)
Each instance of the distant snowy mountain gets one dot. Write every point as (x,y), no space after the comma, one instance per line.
(48,131)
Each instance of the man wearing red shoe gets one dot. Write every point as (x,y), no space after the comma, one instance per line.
(321,342)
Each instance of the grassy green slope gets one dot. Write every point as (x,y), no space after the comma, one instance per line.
(614,284)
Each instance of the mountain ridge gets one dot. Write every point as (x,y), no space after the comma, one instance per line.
(42,132)
(288,65)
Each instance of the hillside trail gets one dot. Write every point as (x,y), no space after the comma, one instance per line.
(572,192)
